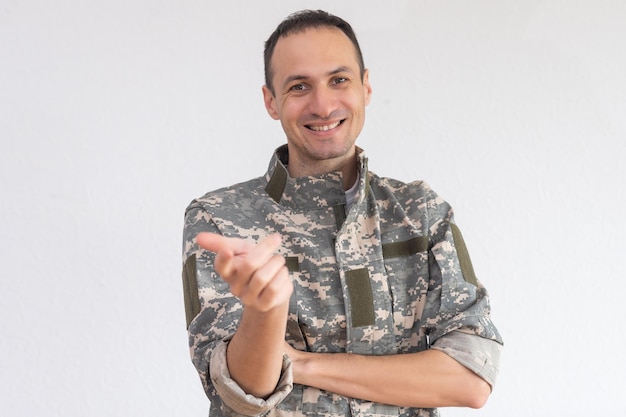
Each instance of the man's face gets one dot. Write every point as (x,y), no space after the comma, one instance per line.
(319,97)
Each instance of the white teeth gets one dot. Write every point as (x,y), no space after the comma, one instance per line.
(324,128)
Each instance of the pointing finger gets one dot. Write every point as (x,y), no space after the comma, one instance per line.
(217,243)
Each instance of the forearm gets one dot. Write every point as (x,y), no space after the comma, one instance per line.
(258,277)
(255,353)
(426,379)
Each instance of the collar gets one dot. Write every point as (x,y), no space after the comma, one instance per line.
(308,192)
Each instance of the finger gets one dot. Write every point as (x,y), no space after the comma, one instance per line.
(224,264)
(259,255)
(261,278)
(217,243)
(210,241)
(277,291)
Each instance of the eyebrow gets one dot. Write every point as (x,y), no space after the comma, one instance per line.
(297,77)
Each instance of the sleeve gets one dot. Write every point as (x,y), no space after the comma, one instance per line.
(213,315)
(238,401)
(457,315)
(481,356)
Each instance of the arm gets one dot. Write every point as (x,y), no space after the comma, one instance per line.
(260,280)
(426,379)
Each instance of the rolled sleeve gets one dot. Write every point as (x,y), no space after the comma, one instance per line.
(234,397)
(480,355)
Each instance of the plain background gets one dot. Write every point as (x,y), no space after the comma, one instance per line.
(115,114)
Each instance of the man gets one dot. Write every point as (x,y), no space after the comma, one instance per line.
(321,288)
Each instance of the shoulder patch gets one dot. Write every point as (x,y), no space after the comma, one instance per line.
(464,259)
(190,289)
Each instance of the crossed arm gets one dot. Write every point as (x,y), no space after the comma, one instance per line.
(259,278)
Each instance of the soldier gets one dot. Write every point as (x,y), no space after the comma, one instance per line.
(321,288)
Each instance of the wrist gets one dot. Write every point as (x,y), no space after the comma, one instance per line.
(303,366)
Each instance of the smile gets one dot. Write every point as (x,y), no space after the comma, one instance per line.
(324,128)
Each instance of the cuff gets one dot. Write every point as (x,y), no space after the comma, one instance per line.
(234,397)
(480,355)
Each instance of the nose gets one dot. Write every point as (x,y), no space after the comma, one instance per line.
(322,102)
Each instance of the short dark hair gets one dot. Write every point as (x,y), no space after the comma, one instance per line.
(301,21)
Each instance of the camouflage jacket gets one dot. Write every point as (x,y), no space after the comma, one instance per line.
(391,276)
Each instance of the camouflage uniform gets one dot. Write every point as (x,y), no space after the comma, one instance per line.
(391,276)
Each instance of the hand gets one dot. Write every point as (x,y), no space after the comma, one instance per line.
(256,275)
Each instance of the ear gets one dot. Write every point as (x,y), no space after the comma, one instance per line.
(270,103)
(367,88)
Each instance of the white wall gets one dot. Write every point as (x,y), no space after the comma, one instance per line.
(115,114)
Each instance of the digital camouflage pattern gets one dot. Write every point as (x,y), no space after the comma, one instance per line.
(376,281)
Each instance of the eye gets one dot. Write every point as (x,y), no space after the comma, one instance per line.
(340,80)
(297,87)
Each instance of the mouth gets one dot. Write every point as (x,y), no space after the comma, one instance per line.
(324,128)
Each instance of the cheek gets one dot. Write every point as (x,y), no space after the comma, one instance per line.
(357,101)
(292,111)
(289,119)
(358,107)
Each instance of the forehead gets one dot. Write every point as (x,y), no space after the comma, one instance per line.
(313,49)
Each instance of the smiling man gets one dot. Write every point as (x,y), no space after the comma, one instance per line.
(321,288)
